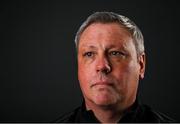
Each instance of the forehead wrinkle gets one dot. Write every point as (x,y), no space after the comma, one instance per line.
(104,47)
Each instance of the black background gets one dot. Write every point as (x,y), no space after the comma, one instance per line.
(38,68)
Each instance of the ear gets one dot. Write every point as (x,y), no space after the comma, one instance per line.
(142,63)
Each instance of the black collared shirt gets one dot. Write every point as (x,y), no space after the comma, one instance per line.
(136,113)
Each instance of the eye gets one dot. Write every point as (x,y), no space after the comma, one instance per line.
(116,53)
(88,54)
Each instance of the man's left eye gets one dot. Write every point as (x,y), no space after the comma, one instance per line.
(116,53)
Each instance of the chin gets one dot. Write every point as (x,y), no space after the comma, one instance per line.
(104,99)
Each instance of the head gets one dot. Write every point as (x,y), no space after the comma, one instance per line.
(111,59)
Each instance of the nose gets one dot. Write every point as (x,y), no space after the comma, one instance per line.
(103,65)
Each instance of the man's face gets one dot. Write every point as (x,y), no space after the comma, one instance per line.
(108,67)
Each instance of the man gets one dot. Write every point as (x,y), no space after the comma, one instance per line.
(111,60)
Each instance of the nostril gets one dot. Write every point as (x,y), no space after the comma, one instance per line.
(104,69)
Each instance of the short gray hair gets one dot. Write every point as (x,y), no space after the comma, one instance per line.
(110,17)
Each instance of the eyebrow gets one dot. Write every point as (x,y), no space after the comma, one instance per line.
(89,46)
(111,46)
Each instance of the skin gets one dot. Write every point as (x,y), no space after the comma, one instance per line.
(108,70)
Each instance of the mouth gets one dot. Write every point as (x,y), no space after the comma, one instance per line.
(102,83)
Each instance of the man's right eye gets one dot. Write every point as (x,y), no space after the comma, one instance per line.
(88,54)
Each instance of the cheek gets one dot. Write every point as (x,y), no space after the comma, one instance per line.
(126,75)
(84,75)
(85,69)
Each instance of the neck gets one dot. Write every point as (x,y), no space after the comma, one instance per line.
(105,114)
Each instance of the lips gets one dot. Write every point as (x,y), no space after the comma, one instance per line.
(105,83)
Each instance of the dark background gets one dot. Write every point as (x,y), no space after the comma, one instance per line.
(38,68)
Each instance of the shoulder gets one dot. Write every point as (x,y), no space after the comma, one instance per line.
(69,117)
(150,115)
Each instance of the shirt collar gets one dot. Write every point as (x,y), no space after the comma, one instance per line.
(129,115)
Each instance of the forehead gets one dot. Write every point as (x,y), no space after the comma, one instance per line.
(112,34)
